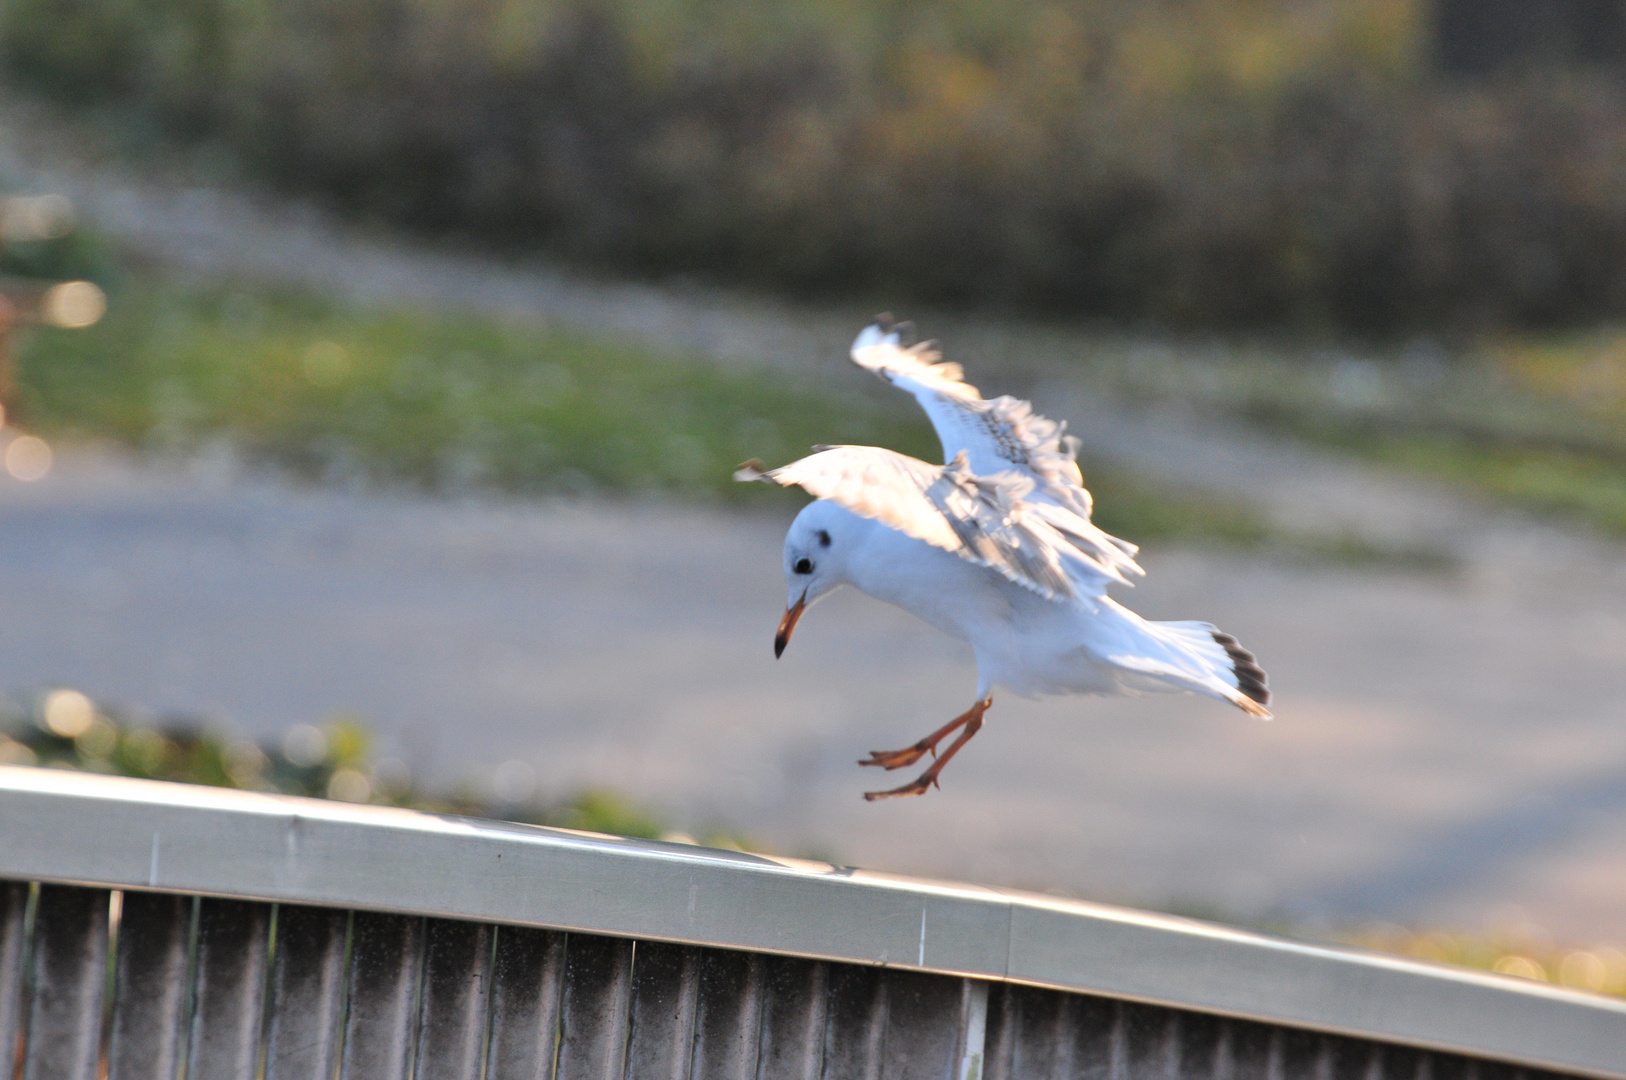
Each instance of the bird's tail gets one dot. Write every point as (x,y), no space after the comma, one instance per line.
(1229,661)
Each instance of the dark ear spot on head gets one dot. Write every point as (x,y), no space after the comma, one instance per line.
(803,566)
(824,538)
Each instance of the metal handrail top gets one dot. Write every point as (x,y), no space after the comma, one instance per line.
(120,833)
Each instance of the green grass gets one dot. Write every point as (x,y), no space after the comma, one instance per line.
(431,399)
(1585,484)
(1538,423)
(450,401)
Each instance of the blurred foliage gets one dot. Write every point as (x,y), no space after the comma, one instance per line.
(63,729)
(457,402)
(1188,162)
(1529,955)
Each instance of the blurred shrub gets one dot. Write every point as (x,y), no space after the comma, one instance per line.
(64,729)
(1192,162)
(1527,952)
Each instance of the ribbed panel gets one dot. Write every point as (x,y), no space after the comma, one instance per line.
(13,947)
(149,997)
(386,963)
(307,1004)
(855,1023)
(1047,1035)
(527,983)
(728,1022)
(69,970)
(598,989)
(794,1016)
(446,1000)
(665,996)
(922,1026)
(456,985)
(233,939)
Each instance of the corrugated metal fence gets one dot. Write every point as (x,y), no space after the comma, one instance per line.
(99,971)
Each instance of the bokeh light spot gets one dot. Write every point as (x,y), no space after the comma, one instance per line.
(74,305)
(1584,970)
(244,762)
(304,745)
(1521,966)
(13,752)
(28,458)
(68,713)
(349,785)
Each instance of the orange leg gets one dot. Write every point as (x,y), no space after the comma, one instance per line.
(971,719)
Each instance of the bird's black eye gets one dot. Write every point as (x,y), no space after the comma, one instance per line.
(803,566)
(824,538)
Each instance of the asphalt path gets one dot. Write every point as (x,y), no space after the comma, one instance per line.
(1449,748)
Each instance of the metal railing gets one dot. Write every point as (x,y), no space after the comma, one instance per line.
(160,931)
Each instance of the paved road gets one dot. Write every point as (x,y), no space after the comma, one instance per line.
(1450,748)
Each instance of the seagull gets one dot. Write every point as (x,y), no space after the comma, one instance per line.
(995,548)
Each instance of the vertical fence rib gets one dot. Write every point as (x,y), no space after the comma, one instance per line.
(855,1023)
(149,996)
(69,975)
(307,980)
(728,1020)
(922,1026)
(665,991)
(233,937)
(456,985)
(527,984)
(13,946)
(386,964)
(597,993)
(795,1007)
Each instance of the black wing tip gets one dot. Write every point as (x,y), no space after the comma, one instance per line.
(1250,677)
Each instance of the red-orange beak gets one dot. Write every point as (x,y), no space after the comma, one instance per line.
(787,625)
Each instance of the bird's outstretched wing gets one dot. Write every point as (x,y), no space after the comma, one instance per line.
(996,436)
(987,520)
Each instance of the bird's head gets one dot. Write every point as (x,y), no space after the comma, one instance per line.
(815,561)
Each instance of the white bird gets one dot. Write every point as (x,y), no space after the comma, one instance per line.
(995,548)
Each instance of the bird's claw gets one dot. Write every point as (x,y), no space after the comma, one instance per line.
(897,759)
(918,786)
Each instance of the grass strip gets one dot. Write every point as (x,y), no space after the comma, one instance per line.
(453,401)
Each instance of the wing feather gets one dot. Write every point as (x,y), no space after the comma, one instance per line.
(987,520)
(995,436)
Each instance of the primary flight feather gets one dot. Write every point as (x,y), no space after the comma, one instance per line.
(994,547)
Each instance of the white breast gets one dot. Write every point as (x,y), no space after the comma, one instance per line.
(1023,642)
